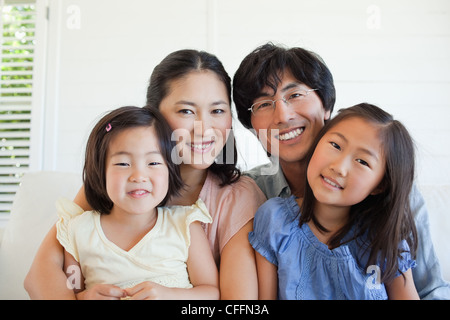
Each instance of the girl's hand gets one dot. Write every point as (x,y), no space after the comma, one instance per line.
(148,291)
(102,292)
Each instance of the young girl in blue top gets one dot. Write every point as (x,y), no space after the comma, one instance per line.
(352,236)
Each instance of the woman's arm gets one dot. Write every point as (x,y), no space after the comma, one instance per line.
(267,278)
(80,199)
(202,270)
(238,278)
(402,288)
(75,279)
(46,278)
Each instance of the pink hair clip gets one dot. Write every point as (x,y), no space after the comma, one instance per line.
(108,127)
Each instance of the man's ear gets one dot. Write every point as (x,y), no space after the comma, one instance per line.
(327,115)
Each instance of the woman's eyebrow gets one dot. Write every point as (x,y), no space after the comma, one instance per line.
(219,102)
(193,104)
(185,102)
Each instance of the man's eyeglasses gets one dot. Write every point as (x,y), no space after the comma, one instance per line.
(267,107)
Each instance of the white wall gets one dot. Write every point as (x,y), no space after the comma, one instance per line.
(395,54)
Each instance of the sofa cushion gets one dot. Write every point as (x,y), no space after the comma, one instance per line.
(33,213)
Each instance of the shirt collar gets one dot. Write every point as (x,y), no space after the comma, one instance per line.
(280,185)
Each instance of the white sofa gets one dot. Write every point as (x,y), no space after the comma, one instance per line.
(33,214)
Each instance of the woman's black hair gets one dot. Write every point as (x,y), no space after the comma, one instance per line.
(177,65)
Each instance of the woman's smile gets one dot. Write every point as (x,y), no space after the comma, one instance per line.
(202,147)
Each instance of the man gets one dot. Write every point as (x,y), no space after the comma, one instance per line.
(286,96)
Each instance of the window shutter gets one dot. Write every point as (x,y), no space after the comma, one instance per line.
(17,43)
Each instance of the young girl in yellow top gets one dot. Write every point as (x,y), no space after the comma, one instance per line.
(128,239)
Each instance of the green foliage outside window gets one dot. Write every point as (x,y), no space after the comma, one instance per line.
(16,82)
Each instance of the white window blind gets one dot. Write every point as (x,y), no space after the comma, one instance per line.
(17,58)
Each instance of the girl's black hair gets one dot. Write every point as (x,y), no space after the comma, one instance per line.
(114,122)
(385,218)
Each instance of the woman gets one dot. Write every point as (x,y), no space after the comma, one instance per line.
(193,92)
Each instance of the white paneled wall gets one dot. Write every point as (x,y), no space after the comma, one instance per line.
(392,53)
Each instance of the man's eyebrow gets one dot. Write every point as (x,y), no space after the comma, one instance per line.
(284,89)
(290,86)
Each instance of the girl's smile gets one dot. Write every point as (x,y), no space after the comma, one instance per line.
(329,182)
(139,193)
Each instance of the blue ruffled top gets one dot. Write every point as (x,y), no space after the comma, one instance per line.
(307,268)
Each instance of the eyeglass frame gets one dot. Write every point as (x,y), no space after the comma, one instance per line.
(282,99)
